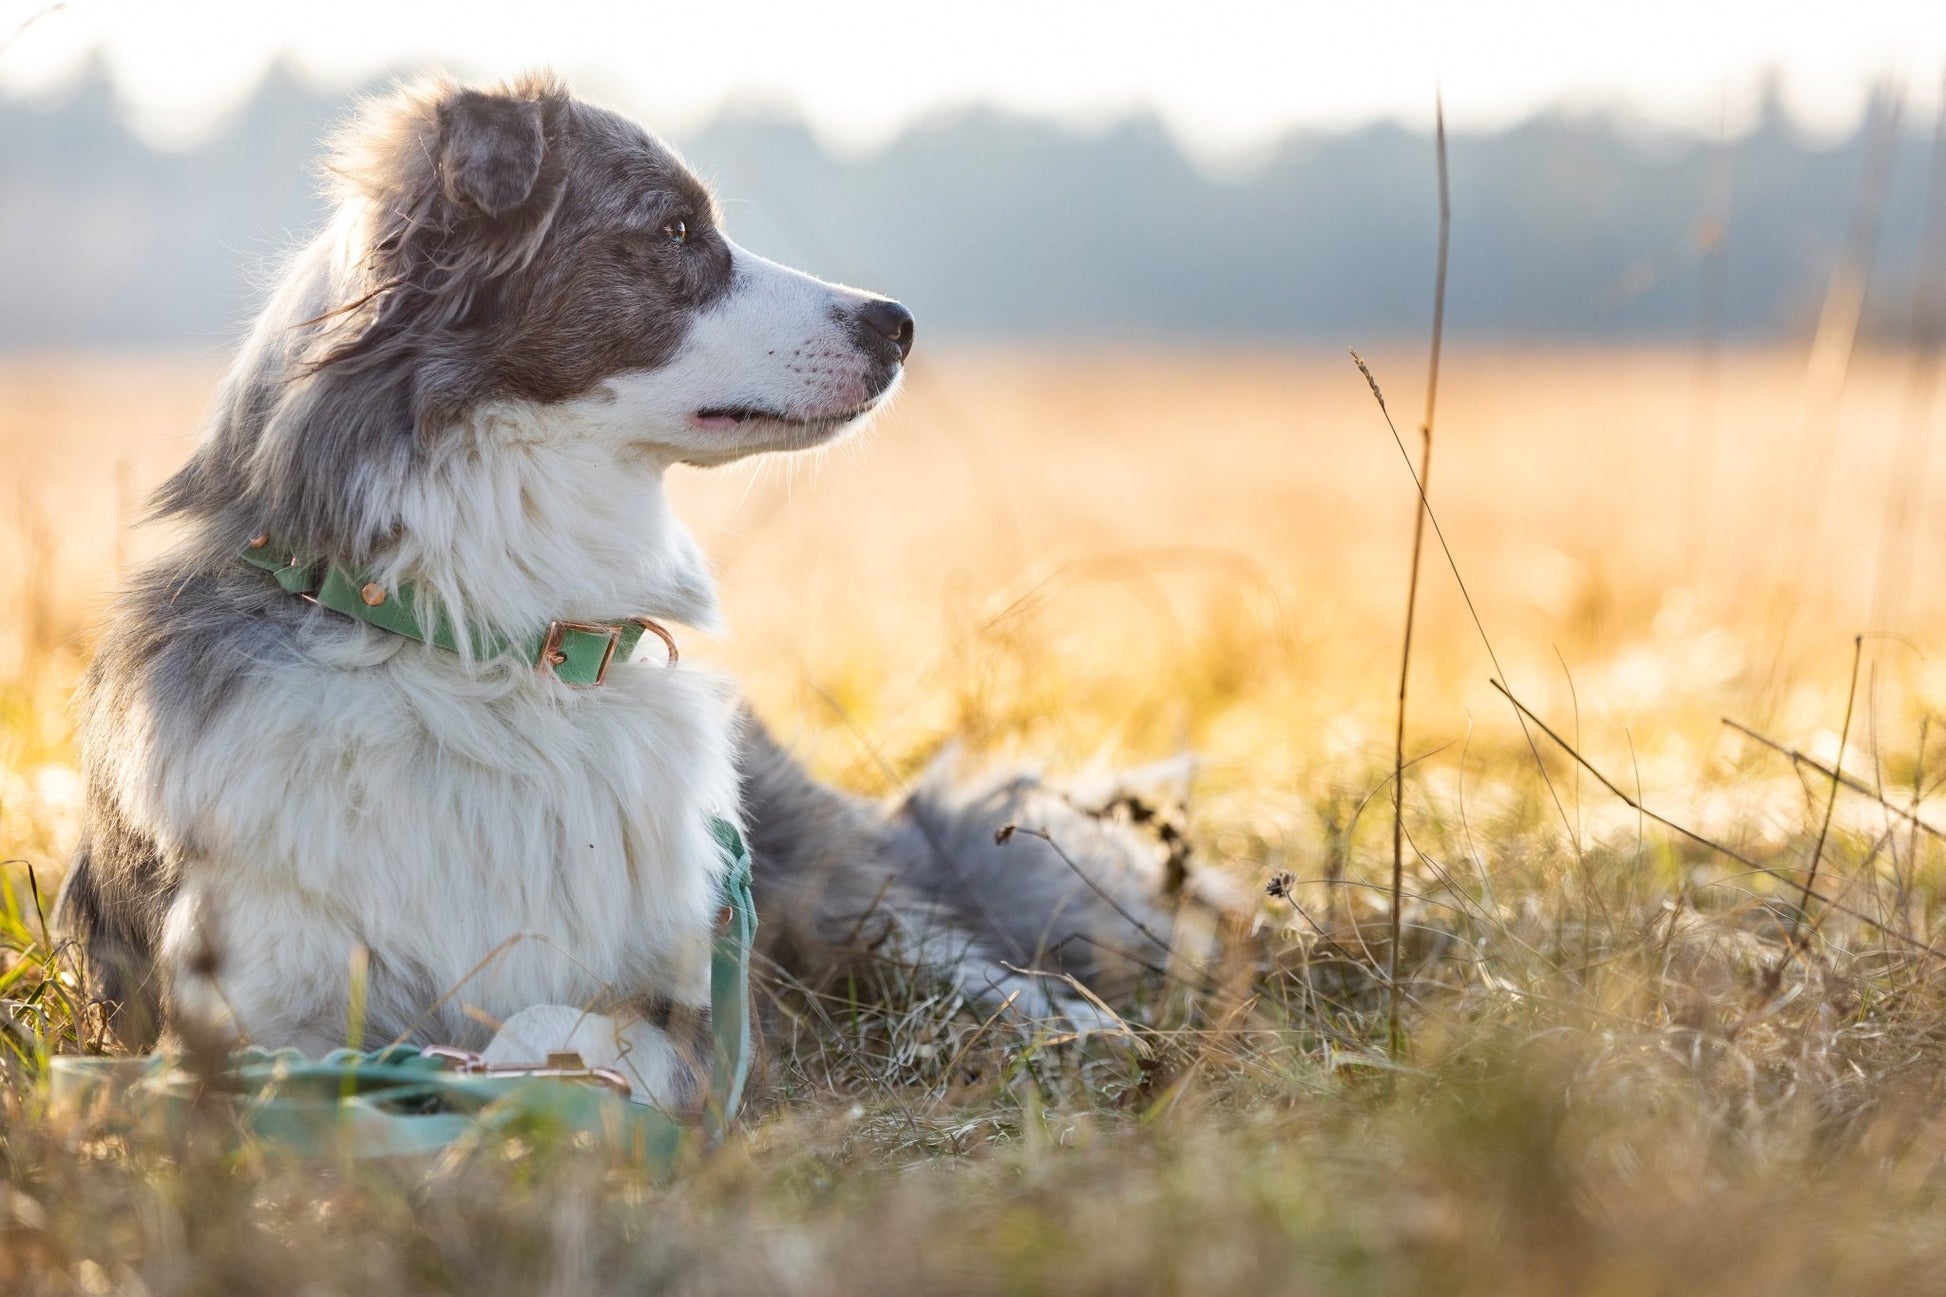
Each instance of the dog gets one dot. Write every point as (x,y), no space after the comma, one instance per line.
(462,399)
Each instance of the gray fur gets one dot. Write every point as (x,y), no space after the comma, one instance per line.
(491,150)
(842,883)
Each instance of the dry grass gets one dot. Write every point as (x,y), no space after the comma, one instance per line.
(1618,1076)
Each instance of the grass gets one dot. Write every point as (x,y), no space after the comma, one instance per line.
(1620,1070)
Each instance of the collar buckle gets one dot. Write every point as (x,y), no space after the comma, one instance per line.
(553,655)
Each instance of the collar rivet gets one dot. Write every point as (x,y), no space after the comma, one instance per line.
(372,594)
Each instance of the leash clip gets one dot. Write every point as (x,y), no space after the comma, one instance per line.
(566,1067)
(660,632)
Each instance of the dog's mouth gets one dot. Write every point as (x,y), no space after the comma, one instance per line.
(724,418)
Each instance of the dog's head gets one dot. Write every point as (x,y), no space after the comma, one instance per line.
(550,250)
(517,246)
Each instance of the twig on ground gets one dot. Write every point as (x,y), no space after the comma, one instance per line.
(1855,784)
(1729,853)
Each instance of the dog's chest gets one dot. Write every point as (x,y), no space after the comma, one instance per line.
(561,837)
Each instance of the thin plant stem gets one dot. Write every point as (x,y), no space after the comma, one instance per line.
(1466,595)
(1412,583)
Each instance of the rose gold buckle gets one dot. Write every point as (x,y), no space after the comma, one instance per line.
(552,656)
(567,1067)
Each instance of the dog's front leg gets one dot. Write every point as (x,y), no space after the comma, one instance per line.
(258,968)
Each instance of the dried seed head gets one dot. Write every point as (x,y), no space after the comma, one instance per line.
(1370,381)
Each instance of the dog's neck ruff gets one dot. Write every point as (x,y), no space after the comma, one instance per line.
(573,652)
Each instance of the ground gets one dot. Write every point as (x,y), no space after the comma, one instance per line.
(1631,1058)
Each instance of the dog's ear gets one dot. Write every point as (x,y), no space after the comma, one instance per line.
(444,193)
(490,150)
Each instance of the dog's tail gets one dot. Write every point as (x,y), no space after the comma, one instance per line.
(1006,887)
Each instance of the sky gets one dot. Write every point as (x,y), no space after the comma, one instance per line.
(1226,74)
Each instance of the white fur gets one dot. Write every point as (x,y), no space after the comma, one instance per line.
(473,816)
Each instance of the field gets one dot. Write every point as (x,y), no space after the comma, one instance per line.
(1632,1059)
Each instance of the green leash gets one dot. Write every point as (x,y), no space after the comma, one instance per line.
(403,1100)
(395,1102)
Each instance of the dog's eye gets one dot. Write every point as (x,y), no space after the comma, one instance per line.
(678,231)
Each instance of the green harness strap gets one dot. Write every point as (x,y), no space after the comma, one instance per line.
(729,984)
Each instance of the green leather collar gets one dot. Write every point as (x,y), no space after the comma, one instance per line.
(574,652)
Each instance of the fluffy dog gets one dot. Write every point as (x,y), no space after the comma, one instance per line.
(463,397)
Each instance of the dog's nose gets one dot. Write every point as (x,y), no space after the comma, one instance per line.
(890,321)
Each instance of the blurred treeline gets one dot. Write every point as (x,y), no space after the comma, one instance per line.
(1000,227)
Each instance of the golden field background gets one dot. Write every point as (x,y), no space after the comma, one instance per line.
(1114,557)
(1626,1067)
